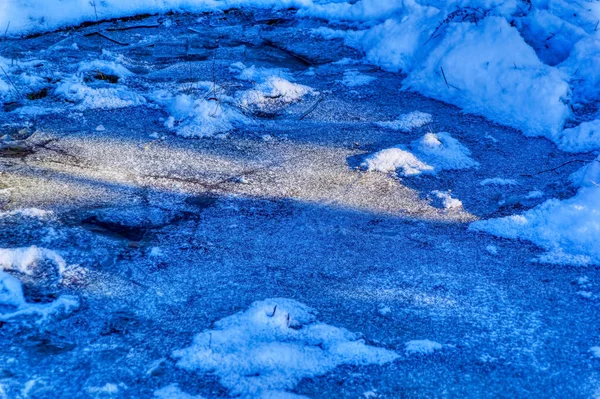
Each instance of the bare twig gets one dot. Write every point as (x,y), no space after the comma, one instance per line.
(6,31)
(558,167)
(312,108)
(133,27)
(106,37)
(19,94)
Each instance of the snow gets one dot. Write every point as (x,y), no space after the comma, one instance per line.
(492,249)
(353,78)
(27,260)
(75,90)
(567,229)
(13,304)
(173,392)
(271,346)
(443,151)
(595,351)
(582,138)
(498,181)
(396,158)
(447,201)
(197,118)
(408,122)
(424,346)
(431,153)
(520,66)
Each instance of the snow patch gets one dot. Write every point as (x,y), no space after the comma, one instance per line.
(408,122)
(353,78)
(443,151)
(498,181)
(424,346)
(271,346)
(396,158)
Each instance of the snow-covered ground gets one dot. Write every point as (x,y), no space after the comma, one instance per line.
(241,203)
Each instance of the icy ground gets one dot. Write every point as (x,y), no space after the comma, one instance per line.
(264,258)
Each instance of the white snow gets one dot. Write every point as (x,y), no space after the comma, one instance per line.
(27,260)
(431,153)
(271,346)
(203,117)
(396,158)
(353,78)
(595,351)
(424,346)
(75,90)
(447,201)
(492,249)
(443,151)
(567,229)
(174,392)
(523,66)
(13,304)
(407,122)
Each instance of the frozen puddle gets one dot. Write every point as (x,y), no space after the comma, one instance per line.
(271,346)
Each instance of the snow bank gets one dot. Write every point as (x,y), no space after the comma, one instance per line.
(408,122)
(522,64)
(32,16)
(271,346)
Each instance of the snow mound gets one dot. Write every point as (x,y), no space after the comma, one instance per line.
(582,138)
(396,158)
(75,90)
(203,117)
(14,306)
(105,67)
(443,151)
(273,89)
(407,122)
(446,200)
(28,260)
(424,346)
(271,346)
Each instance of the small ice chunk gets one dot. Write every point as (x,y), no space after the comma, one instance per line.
(423,346)
(353,78)
(447,201)
(595,351)
(492,249)
(407,122)
(100,128)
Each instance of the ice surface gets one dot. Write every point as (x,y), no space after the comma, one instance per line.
(272,345)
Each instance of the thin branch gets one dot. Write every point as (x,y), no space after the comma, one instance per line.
(558,167)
